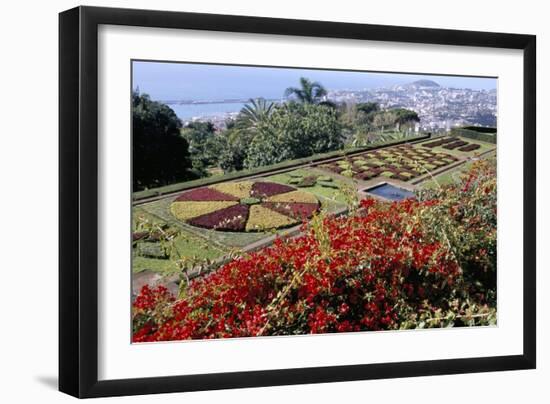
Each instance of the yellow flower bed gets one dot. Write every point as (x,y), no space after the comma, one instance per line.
(261,218)
(238,189)
(294,196)
(184,210)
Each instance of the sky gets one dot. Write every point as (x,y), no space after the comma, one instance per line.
(185,81)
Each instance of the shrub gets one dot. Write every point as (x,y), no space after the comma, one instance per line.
(328,184)
(477,133)
(152,250)
(308,181)
(454,145)
(470,147)
(250,201)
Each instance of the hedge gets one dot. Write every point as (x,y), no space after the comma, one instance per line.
(148,193)
(472,132)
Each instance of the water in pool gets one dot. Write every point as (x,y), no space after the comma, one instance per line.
(390,192)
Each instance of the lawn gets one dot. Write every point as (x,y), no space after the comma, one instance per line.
(453,175)
(186,244)
(329,191)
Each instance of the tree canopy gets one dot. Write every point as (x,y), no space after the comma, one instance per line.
(309,92)
(253,113)
(160,153)
(294,131)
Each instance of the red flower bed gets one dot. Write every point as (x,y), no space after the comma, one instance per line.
(232,218)
(266,189)
(356,280)
(205,194)
(296,210)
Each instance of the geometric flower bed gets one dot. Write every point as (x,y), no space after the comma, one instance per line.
(452,143)
(402,162)
(440,142)
(244,206)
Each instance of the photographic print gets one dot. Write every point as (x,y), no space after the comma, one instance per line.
(278,201)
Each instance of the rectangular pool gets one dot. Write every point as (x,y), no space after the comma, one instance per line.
(391,192)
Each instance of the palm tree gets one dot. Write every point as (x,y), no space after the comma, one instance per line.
(256,111)
(308,93)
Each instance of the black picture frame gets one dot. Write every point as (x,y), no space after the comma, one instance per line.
(78,201)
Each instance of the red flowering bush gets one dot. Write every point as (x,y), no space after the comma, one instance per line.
(465,217)
(383,267)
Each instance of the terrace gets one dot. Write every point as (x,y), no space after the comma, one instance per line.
(215,222)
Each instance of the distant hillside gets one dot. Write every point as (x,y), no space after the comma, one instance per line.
(424,83)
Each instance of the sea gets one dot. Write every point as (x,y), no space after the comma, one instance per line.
(189,111)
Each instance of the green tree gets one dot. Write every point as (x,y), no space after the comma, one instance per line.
(294,131)
(160,154)
(235,148)
(253,113)
(368,107)
(203,145)
(309,92)
(403,116)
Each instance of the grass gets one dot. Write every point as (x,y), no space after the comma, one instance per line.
(451,176)
(187,244)
(190,247)
(329,193)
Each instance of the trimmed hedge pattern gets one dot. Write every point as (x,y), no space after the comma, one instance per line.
(478,134)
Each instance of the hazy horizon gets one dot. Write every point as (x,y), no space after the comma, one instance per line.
(186,81)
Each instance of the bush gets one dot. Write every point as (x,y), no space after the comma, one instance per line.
(160,153)
(308,181)
(152,250)
(488,135)
(328,184)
